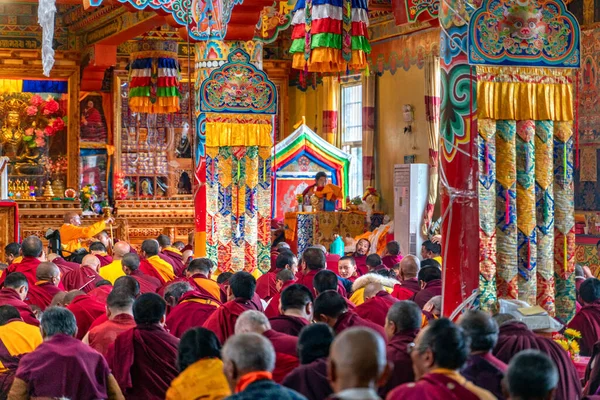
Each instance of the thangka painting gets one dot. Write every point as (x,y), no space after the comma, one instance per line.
(92,122)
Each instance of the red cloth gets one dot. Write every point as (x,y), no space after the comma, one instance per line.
(176,262)
(83,278)
(514,336)
(307,280)
(222,321)
(143,361)
(285,352)
(86,309)
(10,297)
(332,262)
(64,265)
(192,311)
(375,309)
(273,307)
(104,259)
(310,380)
(432,387)
(288,324)
(101,293)
(390,261)
(41,294)
(102,336)
(432,288)
(208,287)
(350,319)
(266,285)
(27,266)
(587,321)
(361,264)
(99,321)
(406,289)
(397,354)
(148,269)
(148,284)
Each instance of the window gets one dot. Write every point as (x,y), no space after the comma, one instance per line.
(351,117)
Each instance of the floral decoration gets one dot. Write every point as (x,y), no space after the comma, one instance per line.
(45,119)
(87,195)
(568,340)
(121,191)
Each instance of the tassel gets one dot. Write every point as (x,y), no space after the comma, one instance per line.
(507,215)
(264,170)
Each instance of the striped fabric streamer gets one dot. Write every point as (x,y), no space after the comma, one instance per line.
(330,35)
(154,83)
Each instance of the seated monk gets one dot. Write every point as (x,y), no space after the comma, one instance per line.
(283,280)
(101,291)
(266,285)
(200,368)
(402,325)
(440,351)
(126,284)
(172,253)
(85,308)
(131,267)
(85,277)
(358,287)
(313,261)
(482,368)
(153,265)
(347,268)
(189,308)
(62,366)
(363,246)
(376,305)
(14,293)
(430,280)
(310,378)
(392,255)
(331,260)
(12,252)
(73,236)
(407,275)
(587,320)
(286,356)
(374,263)
(143,359)
(331,308)
(32,249)
(515,336)
(46,287)
(198,274)
(240,292)
(326,280)
(114,270)
(119,310)
(16,339)
(296,307)
(99,250)
(532,375)
(63,265)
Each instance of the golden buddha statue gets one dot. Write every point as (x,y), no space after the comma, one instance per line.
(11,135)
(24,159)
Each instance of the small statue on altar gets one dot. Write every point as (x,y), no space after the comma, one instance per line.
(12,135)
(25,159)
(145,188)
(184,147)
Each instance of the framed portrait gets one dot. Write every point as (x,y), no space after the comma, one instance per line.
(93,127)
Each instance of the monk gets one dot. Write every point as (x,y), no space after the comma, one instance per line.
(392,255)
(430,280)
(331,260)
(402,325)
(347,268)
(14,293)
(266,285)
(357,364)
(198,274)
(114,270)
(407,275)
(313,261)
(16,339)
(63,367)
(240,293)
(131,267)
(174,255)
(587,320)
(99,250)
(482,368)
(326,280)
(286,356)
(310,377)
(374,263)
(101,291)
(32,250)
(85,308)
(85,277)
(515,336)
(532,375)
(12,251)
(143,359)
(62,264)
(360,255)
(153,265)
(119,310)
(190,308)
(440,350)
(278,248)
(376,305)
(331,308)
(296,306)
(283,279)
(431,250)
(126,284)
(73,236)
(46,287)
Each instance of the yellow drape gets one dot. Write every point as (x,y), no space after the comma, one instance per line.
(11,85)
(233,134)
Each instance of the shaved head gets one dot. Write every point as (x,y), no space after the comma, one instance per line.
(70,215)
(46,271)
(409,267)
(70,296)
(91,261)
(58,300)
(372,289)
(120,249)
(357,359)
(252,321)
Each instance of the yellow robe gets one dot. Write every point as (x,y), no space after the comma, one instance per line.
(202,380)
(71,235)
(112,271)
(164,269)
(17,260)
(19,338)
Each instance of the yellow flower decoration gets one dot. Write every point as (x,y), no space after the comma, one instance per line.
(563,343)
(573,333)
(574,347)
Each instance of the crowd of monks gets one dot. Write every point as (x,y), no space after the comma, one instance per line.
(117,323)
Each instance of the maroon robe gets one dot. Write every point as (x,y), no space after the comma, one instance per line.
(587,321)
(102,336)
(27,266)
(86,309)
(222,321)
(101,293)
(307,280)
(83,278)
(148,284)
(273,307)
(310,380)
(376,308)
(486,371)
(397,353)
(41,294)
(193,310)
(350,319)
(62,366)
(148,269)
(266,286)
(64,265)
(361,264)
(10,297)
(99,321)
(207,286)
(288,324)
(332,261)
(176,262)
(104,260)
(406,289)
(432,288)
(514,336)
(433,386)
(286,354)
(390,261)
(143,361)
